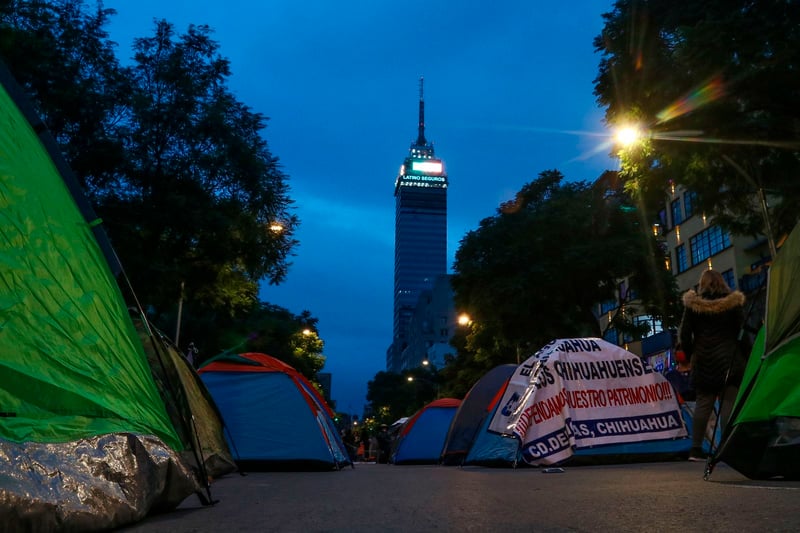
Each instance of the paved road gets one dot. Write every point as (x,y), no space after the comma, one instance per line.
(669,496)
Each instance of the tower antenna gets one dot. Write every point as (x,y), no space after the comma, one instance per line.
(421,137)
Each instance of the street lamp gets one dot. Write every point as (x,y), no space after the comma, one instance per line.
(464,319)
(628,135)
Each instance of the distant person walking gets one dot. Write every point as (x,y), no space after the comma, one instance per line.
(709,334)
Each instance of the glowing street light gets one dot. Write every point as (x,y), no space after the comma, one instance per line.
(628,135)
(464,319)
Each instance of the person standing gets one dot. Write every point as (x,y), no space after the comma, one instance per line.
(712,321)
(384,444)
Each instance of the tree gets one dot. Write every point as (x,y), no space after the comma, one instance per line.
(721,75)
(264,328)
(538,269)
(196,202)
(393,396)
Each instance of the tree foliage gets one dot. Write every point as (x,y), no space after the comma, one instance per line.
(200,189)
(392,395)
(715,84)
(538,269)
(273,330)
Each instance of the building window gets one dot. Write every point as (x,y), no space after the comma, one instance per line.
(662,219)
(653,324)
(608,305)
(611,336)
(677,214)
(729,278)
(707,243)
(680,258)
(689,202)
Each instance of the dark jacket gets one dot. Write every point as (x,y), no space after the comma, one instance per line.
(710,337)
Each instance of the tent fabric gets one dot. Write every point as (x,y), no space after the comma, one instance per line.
(189,404)
(275,419)
(763,438)
(782,320)
(65,322)
(421,438)
(472,414)
(77,396)
(493,449)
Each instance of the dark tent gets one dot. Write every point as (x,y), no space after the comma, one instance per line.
(474,413)
(421,437)
(189,404)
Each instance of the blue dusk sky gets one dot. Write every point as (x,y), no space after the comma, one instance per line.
(508,93)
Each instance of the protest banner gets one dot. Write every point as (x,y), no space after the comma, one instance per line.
(578,393)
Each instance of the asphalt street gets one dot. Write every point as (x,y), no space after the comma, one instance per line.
(667,496)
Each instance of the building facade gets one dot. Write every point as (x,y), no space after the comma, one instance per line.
(431,327)
(693,243)
(420,248)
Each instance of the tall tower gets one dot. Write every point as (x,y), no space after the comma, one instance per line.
(420,234)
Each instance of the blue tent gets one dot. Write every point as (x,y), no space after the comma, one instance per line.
(468,431)
(493,449)
(421,438)
(275,419)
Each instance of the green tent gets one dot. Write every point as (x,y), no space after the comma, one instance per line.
(78,401)
(763,440)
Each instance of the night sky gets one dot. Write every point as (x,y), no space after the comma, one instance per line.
(508,94)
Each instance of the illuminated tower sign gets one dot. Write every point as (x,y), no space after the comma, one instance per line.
(420,238)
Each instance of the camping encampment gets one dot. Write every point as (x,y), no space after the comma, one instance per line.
(421,438)
(86,440)
(275,419)
(763,438)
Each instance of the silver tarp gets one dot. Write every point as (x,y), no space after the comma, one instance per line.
(89,485)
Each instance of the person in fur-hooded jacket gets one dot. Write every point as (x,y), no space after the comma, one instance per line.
(712,321)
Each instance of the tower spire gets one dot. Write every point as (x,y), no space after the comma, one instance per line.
(421,137)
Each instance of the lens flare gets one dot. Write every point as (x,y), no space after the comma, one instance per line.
(709,92)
